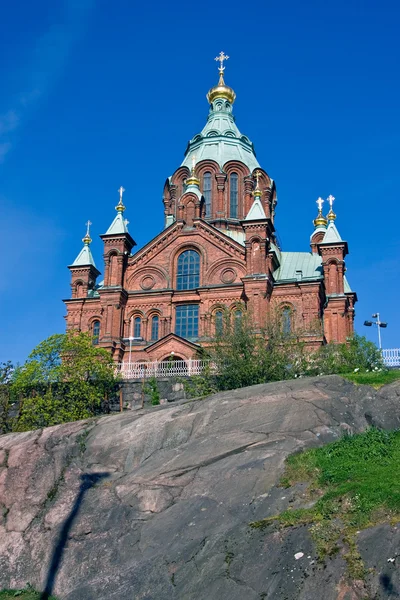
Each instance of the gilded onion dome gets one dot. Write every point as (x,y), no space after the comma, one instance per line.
(221,90)
(320,220)
(220,139)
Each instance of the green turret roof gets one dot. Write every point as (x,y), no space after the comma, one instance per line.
(220,140)
(84,258)
(119,225)
(332,235)
(256,211)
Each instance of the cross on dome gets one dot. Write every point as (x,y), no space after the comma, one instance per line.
(320,203)
(87,239)
(221,57)
(120,206)
(331,215)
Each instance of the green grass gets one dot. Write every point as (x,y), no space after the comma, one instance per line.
(26,594)
(354,483)
(374,378)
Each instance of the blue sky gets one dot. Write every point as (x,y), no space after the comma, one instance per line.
(98,94)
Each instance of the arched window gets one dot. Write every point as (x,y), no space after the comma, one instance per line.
(96,332)
(237,315)
(286,320)
(233,195)
(207,192)
(137,326)
(219,322)
(154,328)
(188,270)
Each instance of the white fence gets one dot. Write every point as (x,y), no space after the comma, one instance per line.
(391,357)
(175,368)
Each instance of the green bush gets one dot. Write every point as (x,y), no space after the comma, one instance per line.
(6,401)
(243,357)
(65,378)
(151,389)
(356,353)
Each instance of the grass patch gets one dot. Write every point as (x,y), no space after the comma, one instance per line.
(355,483)
(27,594)
(375,379)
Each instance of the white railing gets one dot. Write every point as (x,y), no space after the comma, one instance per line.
(175,368)
(391,357)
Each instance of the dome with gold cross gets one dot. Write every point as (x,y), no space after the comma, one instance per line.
(221,90)
(220,140)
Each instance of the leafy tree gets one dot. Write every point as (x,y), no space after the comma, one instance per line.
(356,353)
(6,420)
(244,357)
(65,378)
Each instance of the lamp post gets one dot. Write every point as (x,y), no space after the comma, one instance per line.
(379,324)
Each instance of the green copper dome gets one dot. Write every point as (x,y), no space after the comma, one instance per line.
(221,140)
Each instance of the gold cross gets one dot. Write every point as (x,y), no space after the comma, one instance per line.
(221,57)
(88,224)
(330,200)
(121,191)
(320,203)
(257,176)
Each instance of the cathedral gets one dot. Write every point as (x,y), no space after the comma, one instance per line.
(218,252)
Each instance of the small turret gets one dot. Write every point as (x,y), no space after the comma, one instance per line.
(83,269)
(118,244)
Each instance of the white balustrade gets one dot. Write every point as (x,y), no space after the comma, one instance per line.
(391,357)
(174,368)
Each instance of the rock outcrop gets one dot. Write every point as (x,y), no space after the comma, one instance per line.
(156,504)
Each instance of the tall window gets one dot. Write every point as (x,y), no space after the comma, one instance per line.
(219,322)
(237,315)
(286,320)
(96,332)
(207,192)
(187,321)
(154,328)
(137,327)
(188,271)
(233,195)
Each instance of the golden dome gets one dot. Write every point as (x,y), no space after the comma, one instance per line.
(320,221)
(193,180)
(87,239)
(221,91)
(331,216)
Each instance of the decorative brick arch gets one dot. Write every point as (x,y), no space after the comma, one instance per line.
(235,166)
(178,179)
(189,208)
(138,277)
(236,266)
(174,259)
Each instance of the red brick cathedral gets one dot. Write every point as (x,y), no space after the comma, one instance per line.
(217,252)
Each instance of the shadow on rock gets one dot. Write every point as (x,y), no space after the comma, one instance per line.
(88,480)
(386,583)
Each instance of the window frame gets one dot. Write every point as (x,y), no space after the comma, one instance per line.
(187,325)
(219,322)
(287,320)
(137,327)
(207,192)
(155,328)
(187,271)
(96,325)
(234,195)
